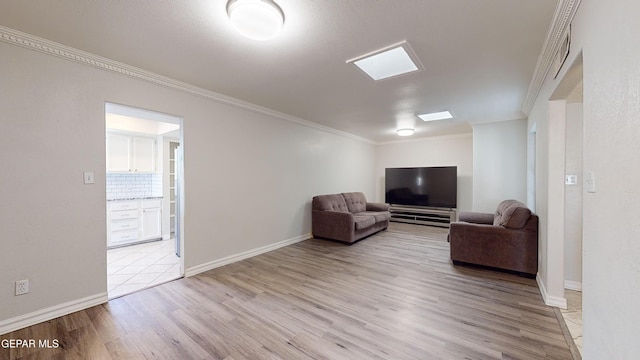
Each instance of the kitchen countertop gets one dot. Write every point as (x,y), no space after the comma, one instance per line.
(136,198)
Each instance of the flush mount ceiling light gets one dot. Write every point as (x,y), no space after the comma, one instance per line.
(405,132)
(394,60)
(442,115)
(256,19)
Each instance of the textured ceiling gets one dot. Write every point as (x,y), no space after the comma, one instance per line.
(478,55)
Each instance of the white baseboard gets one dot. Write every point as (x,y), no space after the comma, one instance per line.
(36,317)
(554,301)
(241,256)
(573,285)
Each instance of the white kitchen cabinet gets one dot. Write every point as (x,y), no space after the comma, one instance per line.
(134,154)
(120,238)
(144,154)
(119,153)
(151,219)
(133,221)
(122,222)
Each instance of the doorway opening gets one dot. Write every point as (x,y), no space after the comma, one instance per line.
(143,192)
(570,93)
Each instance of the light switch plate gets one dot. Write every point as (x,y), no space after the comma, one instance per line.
(590,181)
(89,177)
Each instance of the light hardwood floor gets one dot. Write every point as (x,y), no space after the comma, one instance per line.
(394,295)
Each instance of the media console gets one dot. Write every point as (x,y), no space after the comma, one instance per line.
(423,216)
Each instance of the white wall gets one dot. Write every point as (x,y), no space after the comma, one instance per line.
(249,177)
(499,164)
(249,181)
(552,253)
(573,199)
(611,278)
(439,151)
(604,33)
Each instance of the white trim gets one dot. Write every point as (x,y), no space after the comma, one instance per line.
(28,41)
(565,12)
(554,301)
(49,47)
(36,317)
(573,285)
(194,270)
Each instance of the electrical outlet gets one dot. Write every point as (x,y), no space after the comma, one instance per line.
(22,287)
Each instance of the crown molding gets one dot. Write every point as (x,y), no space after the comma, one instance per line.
(565,12)
(31,42)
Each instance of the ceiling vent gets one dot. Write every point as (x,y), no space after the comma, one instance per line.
(562,54)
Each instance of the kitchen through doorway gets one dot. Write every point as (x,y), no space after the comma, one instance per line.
(143,192)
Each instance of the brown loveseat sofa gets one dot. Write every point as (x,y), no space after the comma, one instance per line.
(347,217)
(506,240)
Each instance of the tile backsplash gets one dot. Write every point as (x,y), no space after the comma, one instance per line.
(127,186)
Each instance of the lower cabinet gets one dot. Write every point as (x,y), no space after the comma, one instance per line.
(132,221)
(151,219)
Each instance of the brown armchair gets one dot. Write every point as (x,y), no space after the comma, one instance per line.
(505,240)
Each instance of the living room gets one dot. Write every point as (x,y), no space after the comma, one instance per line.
(242,159)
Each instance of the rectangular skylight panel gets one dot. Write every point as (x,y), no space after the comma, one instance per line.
(442,115)
(386,64)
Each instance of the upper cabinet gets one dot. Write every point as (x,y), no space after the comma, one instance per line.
(119,153)
(144,154)
(127,153)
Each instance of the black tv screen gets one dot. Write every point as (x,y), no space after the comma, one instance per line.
(422,186)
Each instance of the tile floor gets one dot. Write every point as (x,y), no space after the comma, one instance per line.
(573,316)
(136,267)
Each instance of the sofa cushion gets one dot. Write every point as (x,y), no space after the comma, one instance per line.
(329,203)
(363,221)
(356,202)
(511,214)
(379,216)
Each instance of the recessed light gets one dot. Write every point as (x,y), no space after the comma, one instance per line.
(391,61)
(442,115)
(405,132)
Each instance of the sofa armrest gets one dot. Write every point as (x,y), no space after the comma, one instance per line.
(335,225)
(475,217)
(377,207)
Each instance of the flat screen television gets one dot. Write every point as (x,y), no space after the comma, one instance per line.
(422,186)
